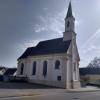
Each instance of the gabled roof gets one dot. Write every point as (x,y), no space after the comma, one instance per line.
(47,47)
(89,71)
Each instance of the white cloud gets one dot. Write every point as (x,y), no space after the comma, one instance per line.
(31,43)
(92,39)
(38,28)
(90,49)
(27,44)
(52,23)
(45,9)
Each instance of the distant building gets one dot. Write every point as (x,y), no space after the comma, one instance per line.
(2,70)
(90,75)
(7,73)
(10,71)
(53,62)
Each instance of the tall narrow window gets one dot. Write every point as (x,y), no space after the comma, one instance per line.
(22,69)
(68,24)
(44,68)
(57,64)
(75,71)
(34,68)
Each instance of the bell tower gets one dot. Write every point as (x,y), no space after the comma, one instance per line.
(72,76)
(69,25)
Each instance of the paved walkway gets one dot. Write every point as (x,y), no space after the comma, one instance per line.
(25,89)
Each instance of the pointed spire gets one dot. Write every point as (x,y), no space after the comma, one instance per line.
(69,13)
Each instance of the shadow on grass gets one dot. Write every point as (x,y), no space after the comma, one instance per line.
(23,85)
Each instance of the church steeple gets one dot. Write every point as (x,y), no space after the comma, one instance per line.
(69,13)
(69,24)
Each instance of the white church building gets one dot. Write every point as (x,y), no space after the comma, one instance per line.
(53,62)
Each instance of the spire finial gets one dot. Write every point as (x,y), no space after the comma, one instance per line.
(69,13)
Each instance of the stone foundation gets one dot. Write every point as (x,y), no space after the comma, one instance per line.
(76,84)
(73,85)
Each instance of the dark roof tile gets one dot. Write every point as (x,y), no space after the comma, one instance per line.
(89,71)
(47,47)
(10,71)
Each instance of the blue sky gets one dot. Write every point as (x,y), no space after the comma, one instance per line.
(23,23)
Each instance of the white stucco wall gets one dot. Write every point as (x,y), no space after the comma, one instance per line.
(52,73)
(74,63)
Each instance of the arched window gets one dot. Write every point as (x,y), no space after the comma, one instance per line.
(57,64)
(22,69)
(44,68)
(34,68)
